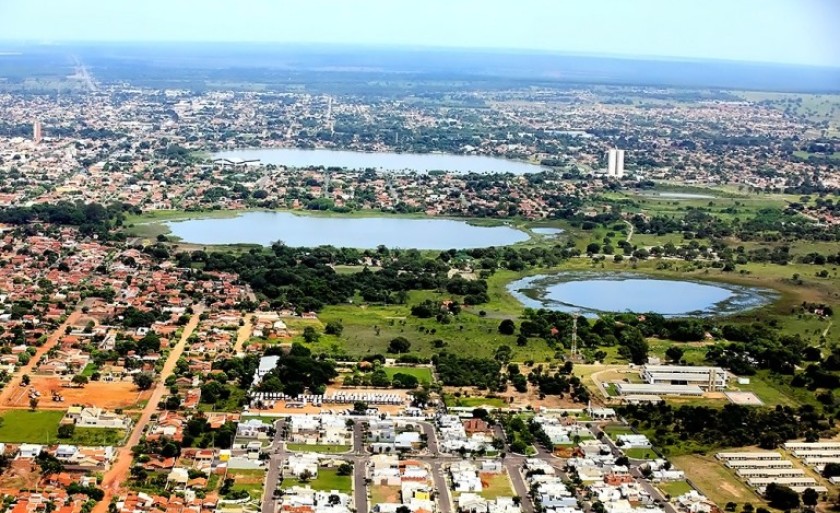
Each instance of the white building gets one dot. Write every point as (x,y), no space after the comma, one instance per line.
(615,163)
(707,378)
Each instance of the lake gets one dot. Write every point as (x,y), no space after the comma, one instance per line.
(265,228)
(387,161)
(592,293)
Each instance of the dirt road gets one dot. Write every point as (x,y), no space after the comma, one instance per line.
(7,396)
(244,333)
(118,473)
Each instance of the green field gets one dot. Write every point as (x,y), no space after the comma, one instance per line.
(423,374)
(250,480)
(496,485)
(328,480)
(675,488)
(96,436)
(321,448)
(613,430)
(35,427)
(638,453)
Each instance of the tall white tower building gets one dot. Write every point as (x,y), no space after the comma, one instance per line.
(615,163)
(36,131)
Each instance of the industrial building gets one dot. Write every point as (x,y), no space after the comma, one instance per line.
(755,464)
(643,389)
(815,454)
(760,456)
(615,163)
(709,379)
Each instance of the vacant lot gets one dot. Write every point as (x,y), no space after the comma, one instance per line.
(328,480)
(675,488)
(96,436)
(714,480)
(473,402)
(322,448)
(109,395)
(495,485)
(383,494)
(35,427)
(250,480)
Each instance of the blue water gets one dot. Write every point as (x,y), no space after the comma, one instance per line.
(593,293)
(388,161)
(265,228)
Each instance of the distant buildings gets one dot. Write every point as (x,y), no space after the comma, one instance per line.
(615,163)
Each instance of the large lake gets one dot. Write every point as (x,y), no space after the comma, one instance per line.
(593,293)
(265,228)
(387,161)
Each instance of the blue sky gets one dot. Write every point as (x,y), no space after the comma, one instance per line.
(787,31)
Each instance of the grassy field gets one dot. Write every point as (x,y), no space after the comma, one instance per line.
(473,402)
(714,480)
(423,374)
(328,480)
(495,485)
(23,426)
(675,488)
(321,448)
(613,430)
(381,494)
(638,453)
(96,436)
(250,480)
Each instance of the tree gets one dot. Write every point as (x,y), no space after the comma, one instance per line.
(66,430)
(345,469)
(675,353)
(399,345)
(305,476)
(334,328)
(810,497)
(781,497)
(25,380)
(507,327)
(831,470)
(360,408)
(310,335)
(79,380)
(143,380)
(33,403)
(634,347)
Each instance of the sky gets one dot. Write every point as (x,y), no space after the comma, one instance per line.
(782,31)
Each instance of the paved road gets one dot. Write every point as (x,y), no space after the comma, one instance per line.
(277,455)
(122,464)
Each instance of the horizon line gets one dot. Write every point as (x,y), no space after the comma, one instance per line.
(416,47)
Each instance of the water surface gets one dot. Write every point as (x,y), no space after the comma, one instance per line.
(265,228)
(592,293)
(387,161)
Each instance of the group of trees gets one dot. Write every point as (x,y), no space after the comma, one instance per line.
(298,371)
(730,426)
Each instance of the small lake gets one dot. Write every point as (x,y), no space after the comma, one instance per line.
(386,161)
(265,228)
(592,293)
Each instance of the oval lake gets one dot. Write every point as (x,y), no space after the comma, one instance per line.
(593,293)
(389,161)
(265,228)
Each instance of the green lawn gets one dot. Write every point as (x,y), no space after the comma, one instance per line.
(675,488)
(89,370)
(613,430)
(322,448)
(423,374)
(23,426)
(96,436)
(328,480)
(638,453)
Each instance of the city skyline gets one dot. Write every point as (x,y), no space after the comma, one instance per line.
(775,31)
